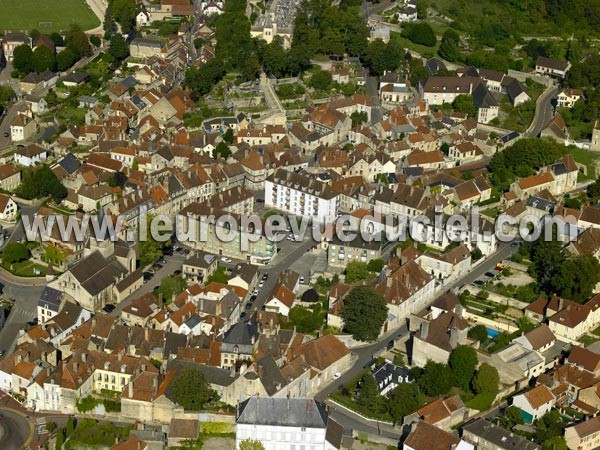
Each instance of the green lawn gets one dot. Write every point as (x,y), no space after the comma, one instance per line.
(481,402)
(586,158)
(423,50)
(46,16)
(25,269)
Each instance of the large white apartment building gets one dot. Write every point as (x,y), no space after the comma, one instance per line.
(301,195)
(286,424)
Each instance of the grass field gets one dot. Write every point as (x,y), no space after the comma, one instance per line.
(46,16)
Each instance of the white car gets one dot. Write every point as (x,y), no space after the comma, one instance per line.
(336,375)
(261,284)
(301,280)
(226,260)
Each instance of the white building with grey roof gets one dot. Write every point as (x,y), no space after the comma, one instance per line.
(287,424)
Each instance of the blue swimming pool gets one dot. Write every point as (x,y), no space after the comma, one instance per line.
(492,333)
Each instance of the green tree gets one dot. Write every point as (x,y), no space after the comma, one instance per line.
(422,9)
(555,443)
(191,390)
(14,252)
(405,399)
(375,56)
(171,286)
(463,362)
(356,271)
(321,80)
(577,277)
(250,70)
(547,257)
(417,72)
(43,59)
(65,59)
(59,439)
(222,149)
(149,249)
(228,136)
(23,59)
(449,49)
(78,42)
(118,48)
(435,379)
(274,58)
(70,426)
(364,313)
(251,444)
(95,41)
(486,379)
(375,265)
(476,254)
(201,81)
(593,190)
(6,95)
(358,118)
(422,34)
(465,104)
(123,12)
(306,320)
(369,395)
(39,182)
(512,416)
(479,333)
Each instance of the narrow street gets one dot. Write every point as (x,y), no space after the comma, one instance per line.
(543,111)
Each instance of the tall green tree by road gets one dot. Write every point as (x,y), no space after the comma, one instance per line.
(149,249)
(23,59)
(118,49)
(435,379)
(43,59)
(364,313)
(405,399)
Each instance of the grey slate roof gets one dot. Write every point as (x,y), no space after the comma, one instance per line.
(501,437)
(96,273)
(69,163)
(270,375)
(243,333)
(483,98)
(50,299)
(292,412)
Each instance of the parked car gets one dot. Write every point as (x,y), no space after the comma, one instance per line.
(301,280)
(252,298)
(265,276)
(226,260)
(261,284)
(248,306)
(177,272)
(108,308)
